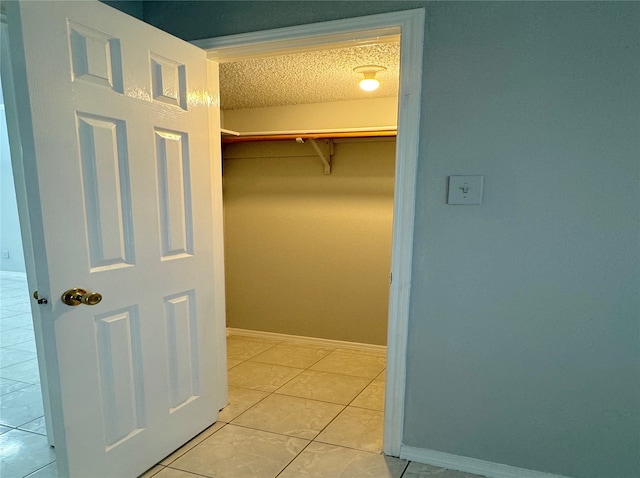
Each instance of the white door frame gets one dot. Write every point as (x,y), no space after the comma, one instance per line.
(410,24)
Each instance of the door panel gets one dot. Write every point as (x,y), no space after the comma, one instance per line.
(123,170)
(121,381)
(174,189)
(107,191)
(182,343)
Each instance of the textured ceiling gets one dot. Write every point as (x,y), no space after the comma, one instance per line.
(310,77)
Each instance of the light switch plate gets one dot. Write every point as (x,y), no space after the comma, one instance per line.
(465,189)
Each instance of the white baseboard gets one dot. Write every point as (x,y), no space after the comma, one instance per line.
(469,465)
(337,344)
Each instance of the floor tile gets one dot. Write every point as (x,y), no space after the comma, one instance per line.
(418,470)
(233,362)
(21,304)
(16,336)
(240,349)
(49,471)
(10,357)
(240,400)
(355,428)
(6,312)
(191,443)
(320,460)
(13,275)
(29,346)
(292,416)
(291,356)
(16,314)
(324,386)
(21,406)
(347,363)
(4,429)
(7,386)
(22,307)
(18,300)
(22,453)
(13,286)
(15,296)
(371,397)
(17,320)
(5,325)
(152,471)
(259,376)
(35,426)
(240,452)
(171,473)
(22,372)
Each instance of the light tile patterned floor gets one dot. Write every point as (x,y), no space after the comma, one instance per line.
(295,410)
(24,450)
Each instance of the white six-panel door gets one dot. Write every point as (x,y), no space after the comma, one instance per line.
(123,180)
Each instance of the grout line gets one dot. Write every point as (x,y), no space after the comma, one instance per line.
(352,448)
(306,398)
(224,424)
(405,468)
(158,465)
(35,471)
(251,407)
(187,471)
(293,459)
(247,427)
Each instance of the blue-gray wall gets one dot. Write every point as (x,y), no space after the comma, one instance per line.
(524,344)
(192,20)
(524,327)
(130,7)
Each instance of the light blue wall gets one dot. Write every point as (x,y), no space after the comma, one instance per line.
(524,343)
(524,324)
(10,239)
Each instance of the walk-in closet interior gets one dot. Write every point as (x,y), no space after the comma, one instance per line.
(308,179)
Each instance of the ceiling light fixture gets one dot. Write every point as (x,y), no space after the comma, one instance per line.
(369,82)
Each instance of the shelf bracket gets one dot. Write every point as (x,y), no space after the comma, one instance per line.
(324,150)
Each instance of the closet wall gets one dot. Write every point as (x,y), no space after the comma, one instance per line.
(306,253)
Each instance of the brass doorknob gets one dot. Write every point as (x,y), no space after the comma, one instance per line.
(80,296)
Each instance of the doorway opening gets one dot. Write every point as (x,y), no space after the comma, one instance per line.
(308,240)
(410,26)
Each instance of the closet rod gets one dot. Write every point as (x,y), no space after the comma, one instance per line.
(284,137)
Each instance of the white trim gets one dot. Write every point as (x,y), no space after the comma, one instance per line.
(290,48)
(470,465)
(336,344)
(407,143)
(363,129)
(410,24)
(316,36)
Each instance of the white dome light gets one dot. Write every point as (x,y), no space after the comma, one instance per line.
(369,82)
